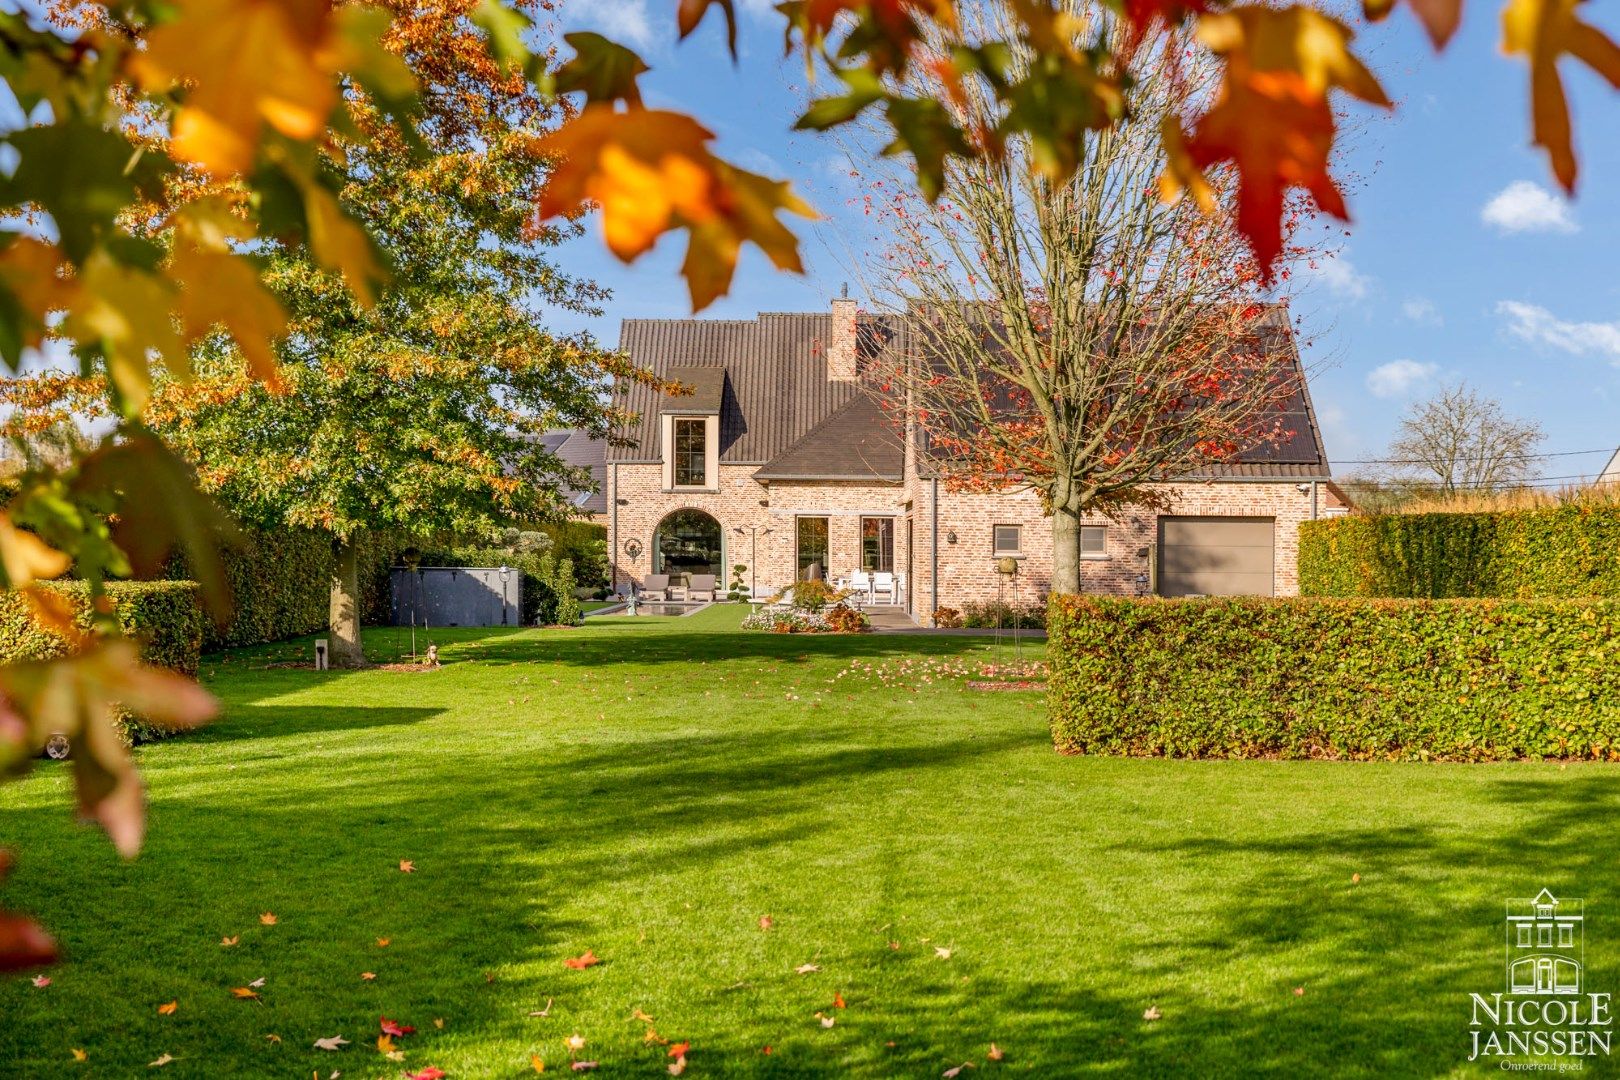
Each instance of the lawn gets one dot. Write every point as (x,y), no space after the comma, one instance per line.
(650,790)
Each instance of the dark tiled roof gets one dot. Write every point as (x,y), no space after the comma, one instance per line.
(577,448)
(776,387)
(858,442)
(707,386)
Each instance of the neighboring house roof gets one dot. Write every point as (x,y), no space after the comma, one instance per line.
(775,385)
(707,386)
(857,442)
(576,447)
(1611,471)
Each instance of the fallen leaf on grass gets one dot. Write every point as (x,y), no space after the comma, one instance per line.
(766,1049)
(958,1070)
(652,1036)
(391,1027)
(334,1042)
(438,1021)
(679,1049)
(805,969)
(268,919)
(257,984)
(1151,1013)
(838,1000)
(80,1055)
(895,945)
(406,866)
(1299,991)
(382,943)
(160,1062)
(273,1039)
(942,953)
(369,976)
(41,981)
(1355,879)
(169,1008)
(637,1015)
(996,1053)
(766,922)
(583,961)
(575,1042)
(245,993)
(539,1066)
(826,1021)
(429,1073)
(227,942)
(677,1067)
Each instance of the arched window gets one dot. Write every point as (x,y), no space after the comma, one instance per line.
(689,542)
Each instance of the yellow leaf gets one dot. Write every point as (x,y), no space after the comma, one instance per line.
(1544,31)
(337,242)
(31,270)
(80,1055)
(245,993)
(385,1044)
(1439,17)
(539,1066)
(223,288)
(26,558)
(651,172)
(246,63)
(126,311)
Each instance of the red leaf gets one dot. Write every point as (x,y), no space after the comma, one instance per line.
(579,963)
(389,1027)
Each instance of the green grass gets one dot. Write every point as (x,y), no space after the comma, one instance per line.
(648,789)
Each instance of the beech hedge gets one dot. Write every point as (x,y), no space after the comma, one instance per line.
(1567,551)
(1454,680)
(280,583)
(165,616)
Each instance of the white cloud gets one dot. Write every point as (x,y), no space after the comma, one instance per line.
(1420,309)
(1339,276)
(1399,377)
(1526,207)
(621,20)
(1535,324)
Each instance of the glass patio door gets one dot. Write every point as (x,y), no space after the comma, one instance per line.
(877,545)
(812,545)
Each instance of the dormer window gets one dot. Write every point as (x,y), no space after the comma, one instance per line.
(690,452)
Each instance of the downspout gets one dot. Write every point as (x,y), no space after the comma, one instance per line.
(1313,500)
(613,526)
(933,553)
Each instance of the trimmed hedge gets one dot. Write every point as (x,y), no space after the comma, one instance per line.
(1568,551)
(165,616)
(281,583)
(1459,680)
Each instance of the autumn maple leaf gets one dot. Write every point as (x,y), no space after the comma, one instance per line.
(389,1027)
(1544,31)
(406,866)
(585,960)
(169,1008)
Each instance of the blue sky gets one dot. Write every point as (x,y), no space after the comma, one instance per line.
(1461,261)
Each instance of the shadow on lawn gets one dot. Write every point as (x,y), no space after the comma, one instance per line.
(248,720)
(588,650)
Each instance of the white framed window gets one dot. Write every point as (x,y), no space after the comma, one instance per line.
(1007,540)
(1094,541)
(1524,935)
(691,451)
(1566,935)
(1544,935)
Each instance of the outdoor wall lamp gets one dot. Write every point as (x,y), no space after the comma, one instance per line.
(950,536)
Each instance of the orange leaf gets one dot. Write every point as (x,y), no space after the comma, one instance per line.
(247,63)
(650,172)
(1544,31)
(170,1008)
(267,919)
(1439,17)
(26,558)
(1273,118)
(838,1000)
(245,993)
(227,942)
(369,976)
(80,1055)
(579,963)
(382,943)
(679,1049)
(406,866)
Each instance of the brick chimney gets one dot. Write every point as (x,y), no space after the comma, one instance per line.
(841,342)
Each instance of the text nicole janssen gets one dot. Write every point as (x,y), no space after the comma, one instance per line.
(1541,1027)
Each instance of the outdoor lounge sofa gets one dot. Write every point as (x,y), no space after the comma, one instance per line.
(700,587)
(655,587)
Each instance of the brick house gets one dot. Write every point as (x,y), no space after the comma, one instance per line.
(780,460)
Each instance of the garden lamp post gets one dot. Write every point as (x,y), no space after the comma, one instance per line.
(755,532)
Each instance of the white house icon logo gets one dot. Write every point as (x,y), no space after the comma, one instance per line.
(1544,945)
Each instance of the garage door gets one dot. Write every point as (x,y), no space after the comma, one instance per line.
(1216,556)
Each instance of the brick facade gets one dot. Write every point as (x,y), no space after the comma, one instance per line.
(968,572)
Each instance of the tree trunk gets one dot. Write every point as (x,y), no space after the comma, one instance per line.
(346,651)
(1065,549)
